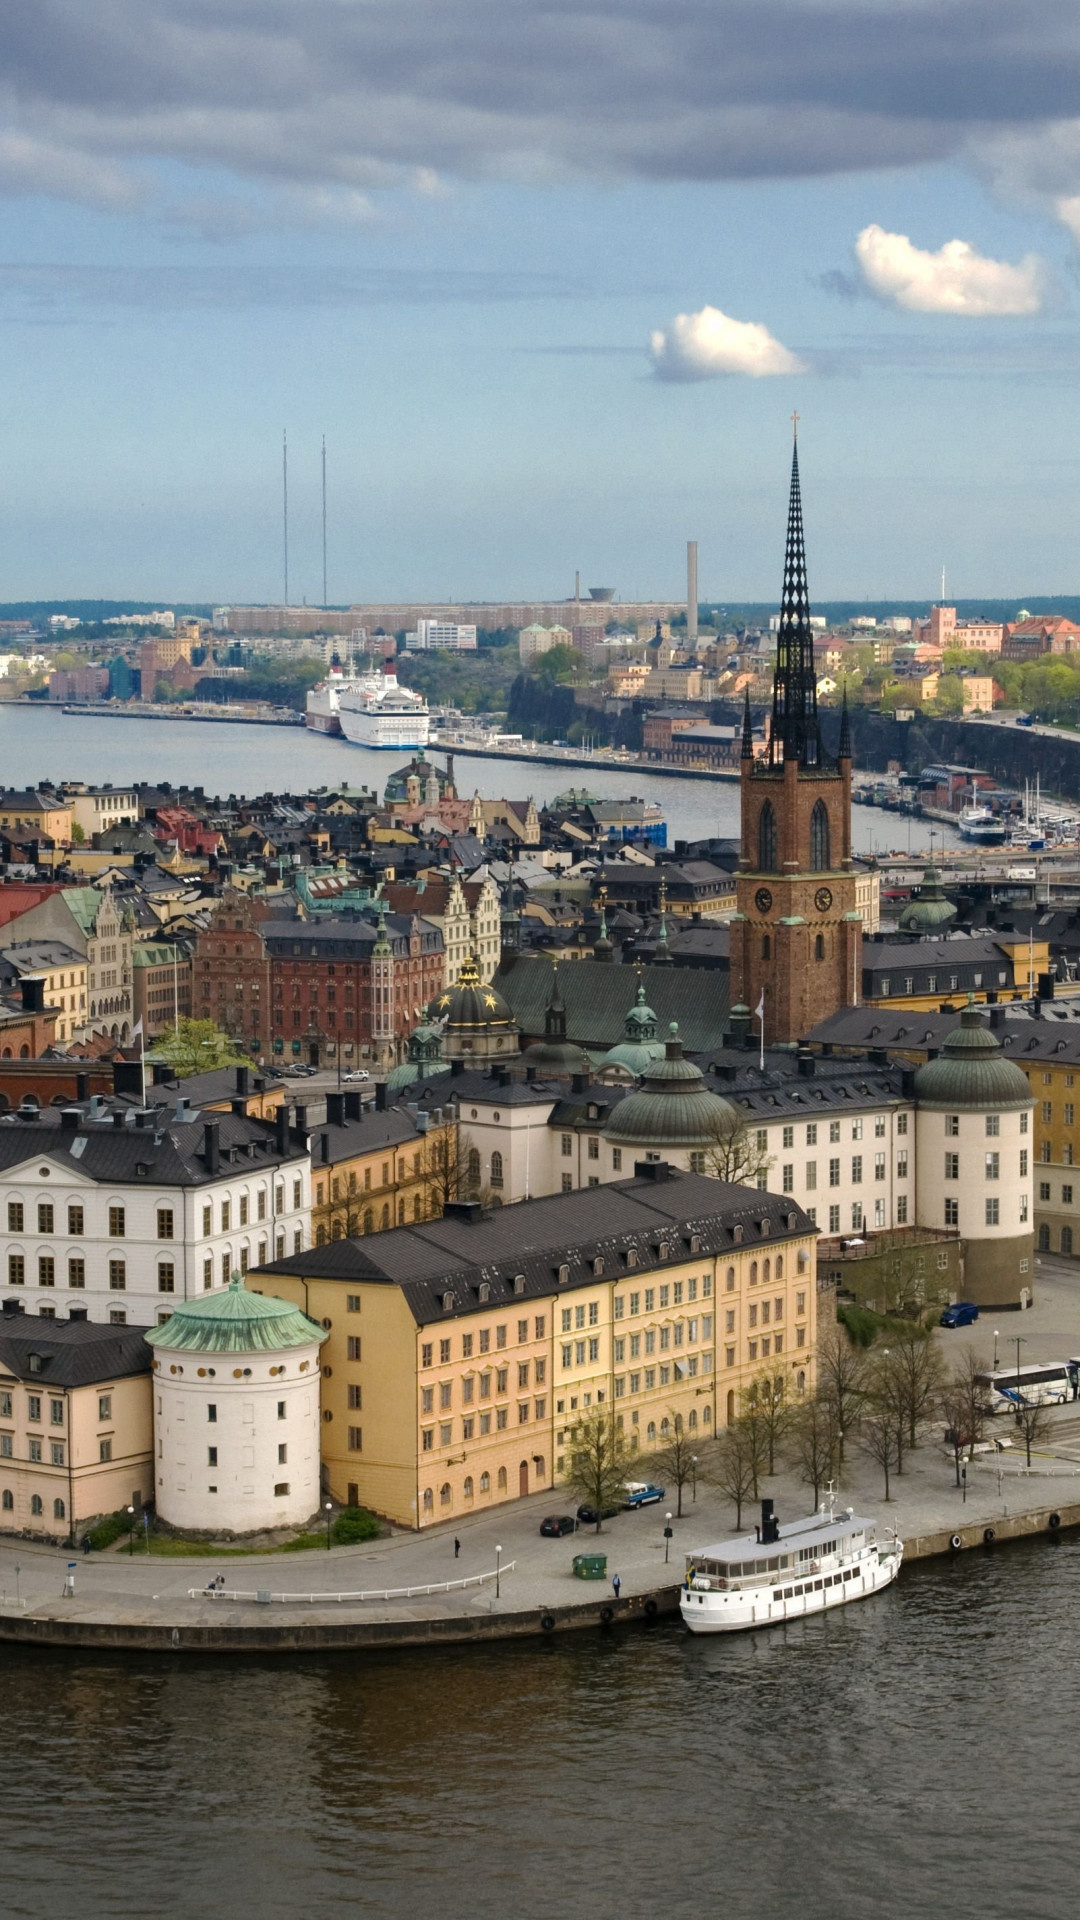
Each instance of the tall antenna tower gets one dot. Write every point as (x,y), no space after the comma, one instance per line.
(285,504)
(324,519)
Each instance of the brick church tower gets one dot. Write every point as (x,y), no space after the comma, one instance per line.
(796,938)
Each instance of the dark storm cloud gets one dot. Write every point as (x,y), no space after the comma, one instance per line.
(324,101)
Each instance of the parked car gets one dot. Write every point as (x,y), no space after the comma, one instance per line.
(640,1493)
(589,1516)
(557,1525)
(961,1314)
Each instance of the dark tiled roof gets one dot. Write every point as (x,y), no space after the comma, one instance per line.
(70,1353)
(169,1153)
(516,1252)
(598,995)
(388,1129)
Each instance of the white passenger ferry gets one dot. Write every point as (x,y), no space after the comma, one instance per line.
(782,1573)
(377,712)
(322,708)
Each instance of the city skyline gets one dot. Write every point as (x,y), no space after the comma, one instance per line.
(550,312)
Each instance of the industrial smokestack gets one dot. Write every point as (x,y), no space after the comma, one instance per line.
(691,596)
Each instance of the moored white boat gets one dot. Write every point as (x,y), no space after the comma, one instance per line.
(321,712)
(377,712)
(782,1573)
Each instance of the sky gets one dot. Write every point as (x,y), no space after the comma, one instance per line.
(551,279)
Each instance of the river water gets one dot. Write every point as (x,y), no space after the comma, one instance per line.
(38,744)
(916,1755)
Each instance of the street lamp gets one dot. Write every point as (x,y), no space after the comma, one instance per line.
(498,1570)
(667,1538)
(997,1337)
(1020,1342)
(131,1531)
(329,1511)
(693,1465)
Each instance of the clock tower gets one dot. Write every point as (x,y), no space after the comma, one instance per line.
(796,937)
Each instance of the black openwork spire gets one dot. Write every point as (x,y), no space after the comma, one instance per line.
(795,731)
(747,752)
(843,751)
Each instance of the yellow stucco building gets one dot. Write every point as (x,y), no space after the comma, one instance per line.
(372,1169)
(462,1351)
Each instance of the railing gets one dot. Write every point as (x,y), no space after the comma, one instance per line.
(264,1597)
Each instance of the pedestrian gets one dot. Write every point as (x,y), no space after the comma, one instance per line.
(616,1582)
(86,1543)
(221,1583)
(457,1548)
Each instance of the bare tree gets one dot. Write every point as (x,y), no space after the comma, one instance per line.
(734,1155)
(448,1165)
(968,1398)
(751,1423)
(879,1437)
(919,1370)
(812,1443)
(731,1464)
(1033,1420)
(673,1462)
(841,1381)
(600,1460)
(886,1395)
(766,1397)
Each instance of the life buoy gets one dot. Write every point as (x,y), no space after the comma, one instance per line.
(989,1536)
(650,1608)
(1054,1521)
(956,1542)
(547,1621)
(607,1615)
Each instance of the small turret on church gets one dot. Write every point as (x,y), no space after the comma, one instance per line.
(796,938)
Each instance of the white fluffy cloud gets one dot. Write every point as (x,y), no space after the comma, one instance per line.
(955,279)
(700,346)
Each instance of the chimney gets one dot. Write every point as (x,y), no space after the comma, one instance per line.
(655,1170)
(335,1110)
(1046,986)
(300,1119)
(127,1077)
(11,1307)
(212,1146)
(69,1119)
(770,1526)
(579,1082)
(33,996)
(354,1105)
(997,1019)
(242,1082)
(324,1148)
(807,1063)
(380,1097)
(82,1086)
(281,1130)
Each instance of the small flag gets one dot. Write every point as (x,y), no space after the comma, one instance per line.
(136,1030)
(759,1010)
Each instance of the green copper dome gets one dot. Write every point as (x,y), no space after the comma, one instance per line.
(235,1321)
(640,1048)
(423,1059)
(932,910)
(673,1108)
(972,1071)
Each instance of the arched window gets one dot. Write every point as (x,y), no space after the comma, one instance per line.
(766,839)
(8,1502)
(468,1486)
(320,1237)
(496,1169)
(706,1416)
(485,1483)
(416,1214)
(58,1510)
(502,1479)
(337,1231)
(473,1165)
(401,1213)
(429,1500)
(1044,1239)
(36,1505)
(753,1273)
(691,1418)
(730,1279)
(664,1426)
(766,1270)
(678,1423)
(731,1406)
(369,1221)
(650,1430)
(445,1495)
(1066,1240)
(819,838)
(800,1381)
(819,946)
(779,1266)
(766,947)
(384,1219)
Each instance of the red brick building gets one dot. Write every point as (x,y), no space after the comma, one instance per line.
(230,974)
(336,998)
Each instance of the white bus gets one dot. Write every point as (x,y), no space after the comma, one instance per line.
(1031,1386)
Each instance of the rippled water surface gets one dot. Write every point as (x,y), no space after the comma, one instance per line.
(915,1755)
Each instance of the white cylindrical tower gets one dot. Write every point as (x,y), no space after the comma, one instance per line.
(236,1413)
(974,1163)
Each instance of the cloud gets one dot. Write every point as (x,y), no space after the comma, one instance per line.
(325,103)
(955,280)
(701,346)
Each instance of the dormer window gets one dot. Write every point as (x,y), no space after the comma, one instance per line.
(448,1303)
(519,1283)
(736,1235)
(631,1256)
(564,1275)
(695,1243)
(663,1250)
(598,1265)
(483,1293)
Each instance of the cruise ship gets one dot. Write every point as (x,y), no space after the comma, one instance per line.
(377,712)
(321,709)
(783,1573)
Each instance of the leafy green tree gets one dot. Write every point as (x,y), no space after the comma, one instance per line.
(949,697)
(558,665)
(600,1459)
(196,1046)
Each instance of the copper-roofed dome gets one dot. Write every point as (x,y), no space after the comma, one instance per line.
(972,1071)
(933,909)
(672,1108)
(232,1320)
(478,1021)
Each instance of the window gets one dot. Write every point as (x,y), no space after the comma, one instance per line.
(993,1125)
(16,1270)
(118,1275)
(788,1176)
(15,1216)
(901,1210)
(993,1213)
(166,1277)
(952,1166)
(567,1145)
(879,1166)
(856,1169)
(444,1352)
(352,1347)
(568,1183)
(496,1169)
(952,1126)
(116,1223)
(902,1165)
(75,1222)
(164,1223)
(767,839)
(616,1160)
(834,1173)
(45,1216)
(207,1222)
(104,1450)
(993,1166)
(46,1270)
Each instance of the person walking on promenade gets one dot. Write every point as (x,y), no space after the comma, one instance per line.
(616,1581)
(457,1548)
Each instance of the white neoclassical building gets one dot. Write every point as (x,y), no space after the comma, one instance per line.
(236,1413)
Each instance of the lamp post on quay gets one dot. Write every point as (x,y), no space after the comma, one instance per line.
(131,1530)
(667,1538)
(329,1511)
(498,1570)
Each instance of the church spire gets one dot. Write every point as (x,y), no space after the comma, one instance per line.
(795,723)
(843,751)
(747,752)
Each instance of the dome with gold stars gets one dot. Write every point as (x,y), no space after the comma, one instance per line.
(477,1021)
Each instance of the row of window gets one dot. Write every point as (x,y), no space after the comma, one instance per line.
(991,1212)
(670,1293)
(478,1386)
(810,1172)
(37,1505)
(446,1494)
(481,1341)
(991,1165)
(496,1420)
(47,1213)
(56,1407)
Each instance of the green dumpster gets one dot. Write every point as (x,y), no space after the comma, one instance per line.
(590,1566)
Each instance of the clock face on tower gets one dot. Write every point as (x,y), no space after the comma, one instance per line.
(823,899)
(763,899)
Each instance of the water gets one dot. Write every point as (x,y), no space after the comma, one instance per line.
(912,1756)
(38,744)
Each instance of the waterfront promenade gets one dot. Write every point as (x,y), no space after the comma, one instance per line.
(139,1599)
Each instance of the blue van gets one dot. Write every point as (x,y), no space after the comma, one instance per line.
(960,1314)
